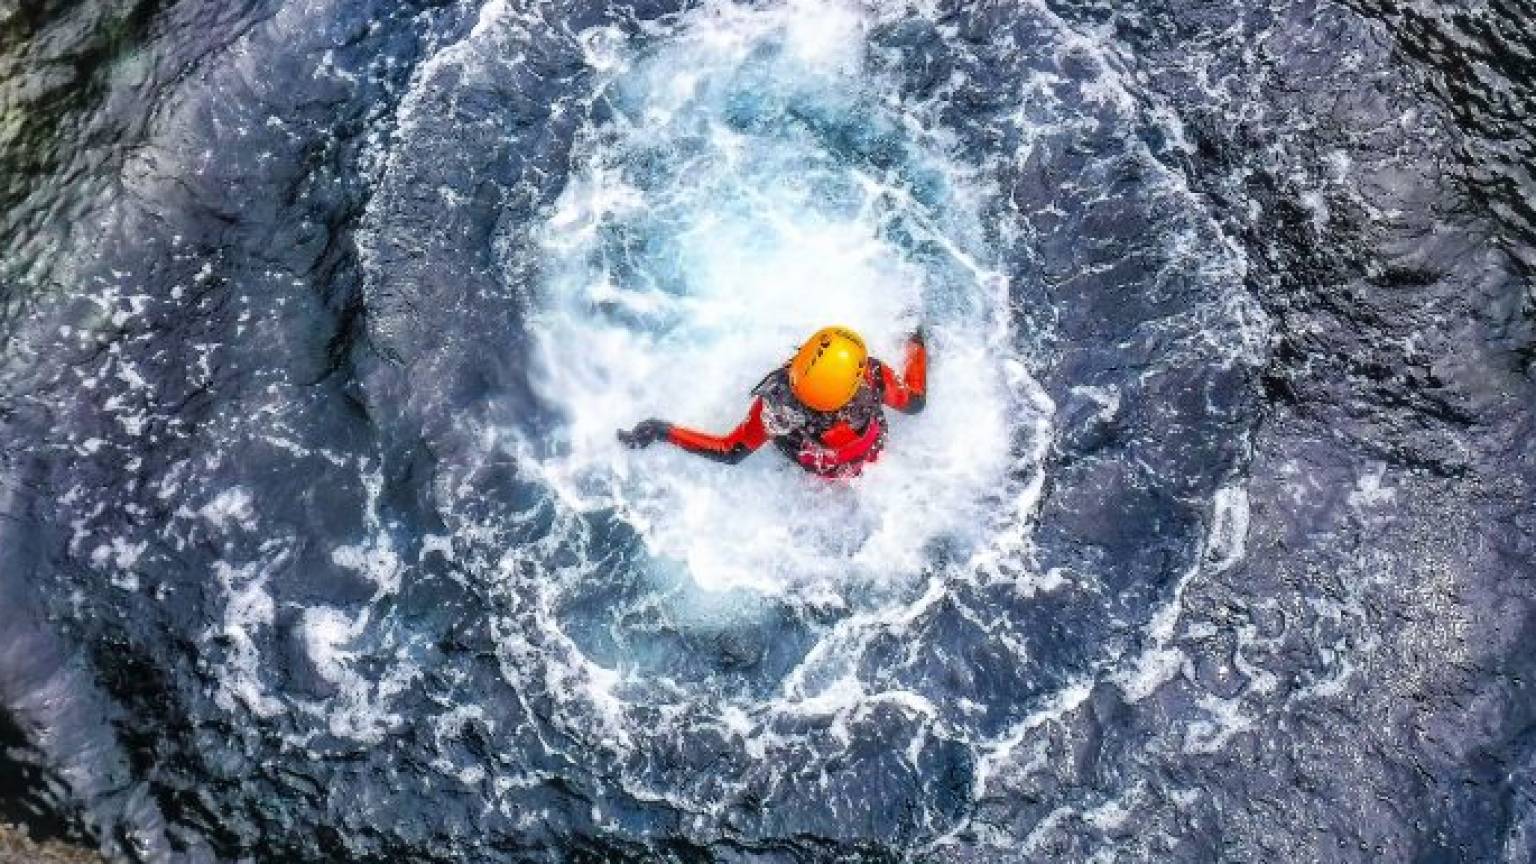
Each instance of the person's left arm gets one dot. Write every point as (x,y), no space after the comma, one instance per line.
(906,392)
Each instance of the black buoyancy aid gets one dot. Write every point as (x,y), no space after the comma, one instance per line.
(829,443)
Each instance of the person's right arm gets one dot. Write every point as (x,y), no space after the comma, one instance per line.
(729,448)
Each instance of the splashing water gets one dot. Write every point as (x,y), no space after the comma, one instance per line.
(746,185)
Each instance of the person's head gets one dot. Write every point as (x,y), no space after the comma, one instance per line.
(825,373)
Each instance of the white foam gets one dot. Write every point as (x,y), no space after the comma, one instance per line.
(1224,719)
(1317,205)
(999,752)
(376,560)
(326,630)
(120,553)
(1369,490)
(230,508)
(764,239)
(1148,671)
(360,710)
(375,557)
(248,608)
(1228,540)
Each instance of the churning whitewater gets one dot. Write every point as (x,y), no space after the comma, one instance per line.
(714,218)
(1211,543)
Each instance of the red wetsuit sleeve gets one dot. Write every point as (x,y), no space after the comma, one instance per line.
(732,447)
(907,392)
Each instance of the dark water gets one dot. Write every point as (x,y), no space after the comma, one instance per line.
(1215,542)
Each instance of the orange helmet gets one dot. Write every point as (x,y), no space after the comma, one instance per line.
(826,371)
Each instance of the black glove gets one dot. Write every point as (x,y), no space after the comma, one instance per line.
(919,337)
(645,433)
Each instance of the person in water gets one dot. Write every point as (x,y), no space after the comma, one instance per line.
(823,409)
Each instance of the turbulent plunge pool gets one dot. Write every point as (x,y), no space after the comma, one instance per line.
(319,319)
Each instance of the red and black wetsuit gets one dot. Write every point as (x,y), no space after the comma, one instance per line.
(829,443)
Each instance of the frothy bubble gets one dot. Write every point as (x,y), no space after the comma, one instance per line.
(747,182)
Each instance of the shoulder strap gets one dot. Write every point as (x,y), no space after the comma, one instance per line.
(874,376)
(767,383)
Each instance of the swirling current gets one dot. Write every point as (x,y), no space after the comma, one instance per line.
(1215,541)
